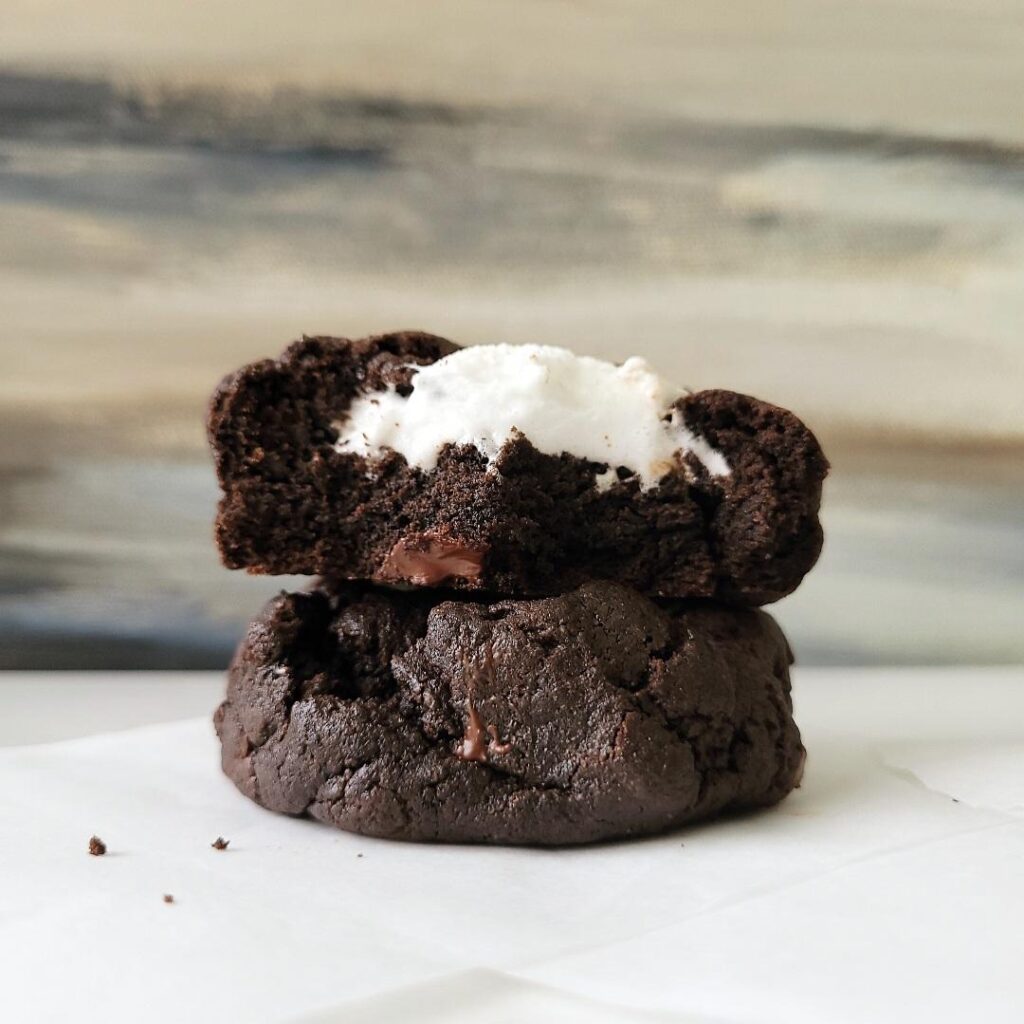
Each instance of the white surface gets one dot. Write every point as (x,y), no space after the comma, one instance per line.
(562,402)
(40,707)
(889,888)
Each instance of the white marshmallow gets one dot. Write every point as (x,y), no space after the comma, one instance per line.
(561,402)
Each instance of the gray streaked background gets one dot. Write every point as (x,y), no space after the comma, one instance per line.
(818,203)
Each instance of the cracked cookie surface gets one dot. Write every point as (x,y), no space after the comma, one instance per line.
(592,715)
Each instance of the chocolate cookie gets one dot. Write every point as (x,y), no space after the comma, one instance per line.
(509,469)
(596,714)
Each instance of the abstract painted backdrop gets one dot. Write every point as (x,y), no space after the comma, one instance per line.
(819,203)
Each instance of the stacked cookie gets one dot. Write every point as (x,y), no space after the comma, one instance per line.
(537,614)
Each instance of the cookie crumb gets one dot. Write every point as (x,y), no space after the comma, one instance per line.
(168,898)
(97,847)
(220,843)
(359,855)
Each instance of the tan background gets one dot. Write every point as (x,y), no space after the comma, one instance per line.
(820,203)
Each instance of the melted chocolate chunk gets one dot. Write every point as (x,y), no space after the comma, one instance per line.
(428,561)
(474,743)
(475,746)
(496,746)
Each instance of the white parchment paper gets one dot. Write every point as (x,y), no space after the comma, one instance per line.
(889,888)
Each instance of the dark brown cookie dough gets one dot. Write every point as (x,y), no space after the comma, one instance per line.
(293,504)
(593,715)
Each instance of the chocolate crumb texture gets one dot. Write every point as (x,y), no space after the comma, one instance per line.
(293,502)
(220,843)
(97,847)
(168,898)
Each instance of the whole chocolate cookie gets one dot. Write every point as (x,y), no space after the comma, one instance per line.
(557,720)
(518,470)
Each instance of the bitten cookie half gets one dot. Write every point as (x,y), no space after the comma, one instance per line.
(519,470)
(593,715)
